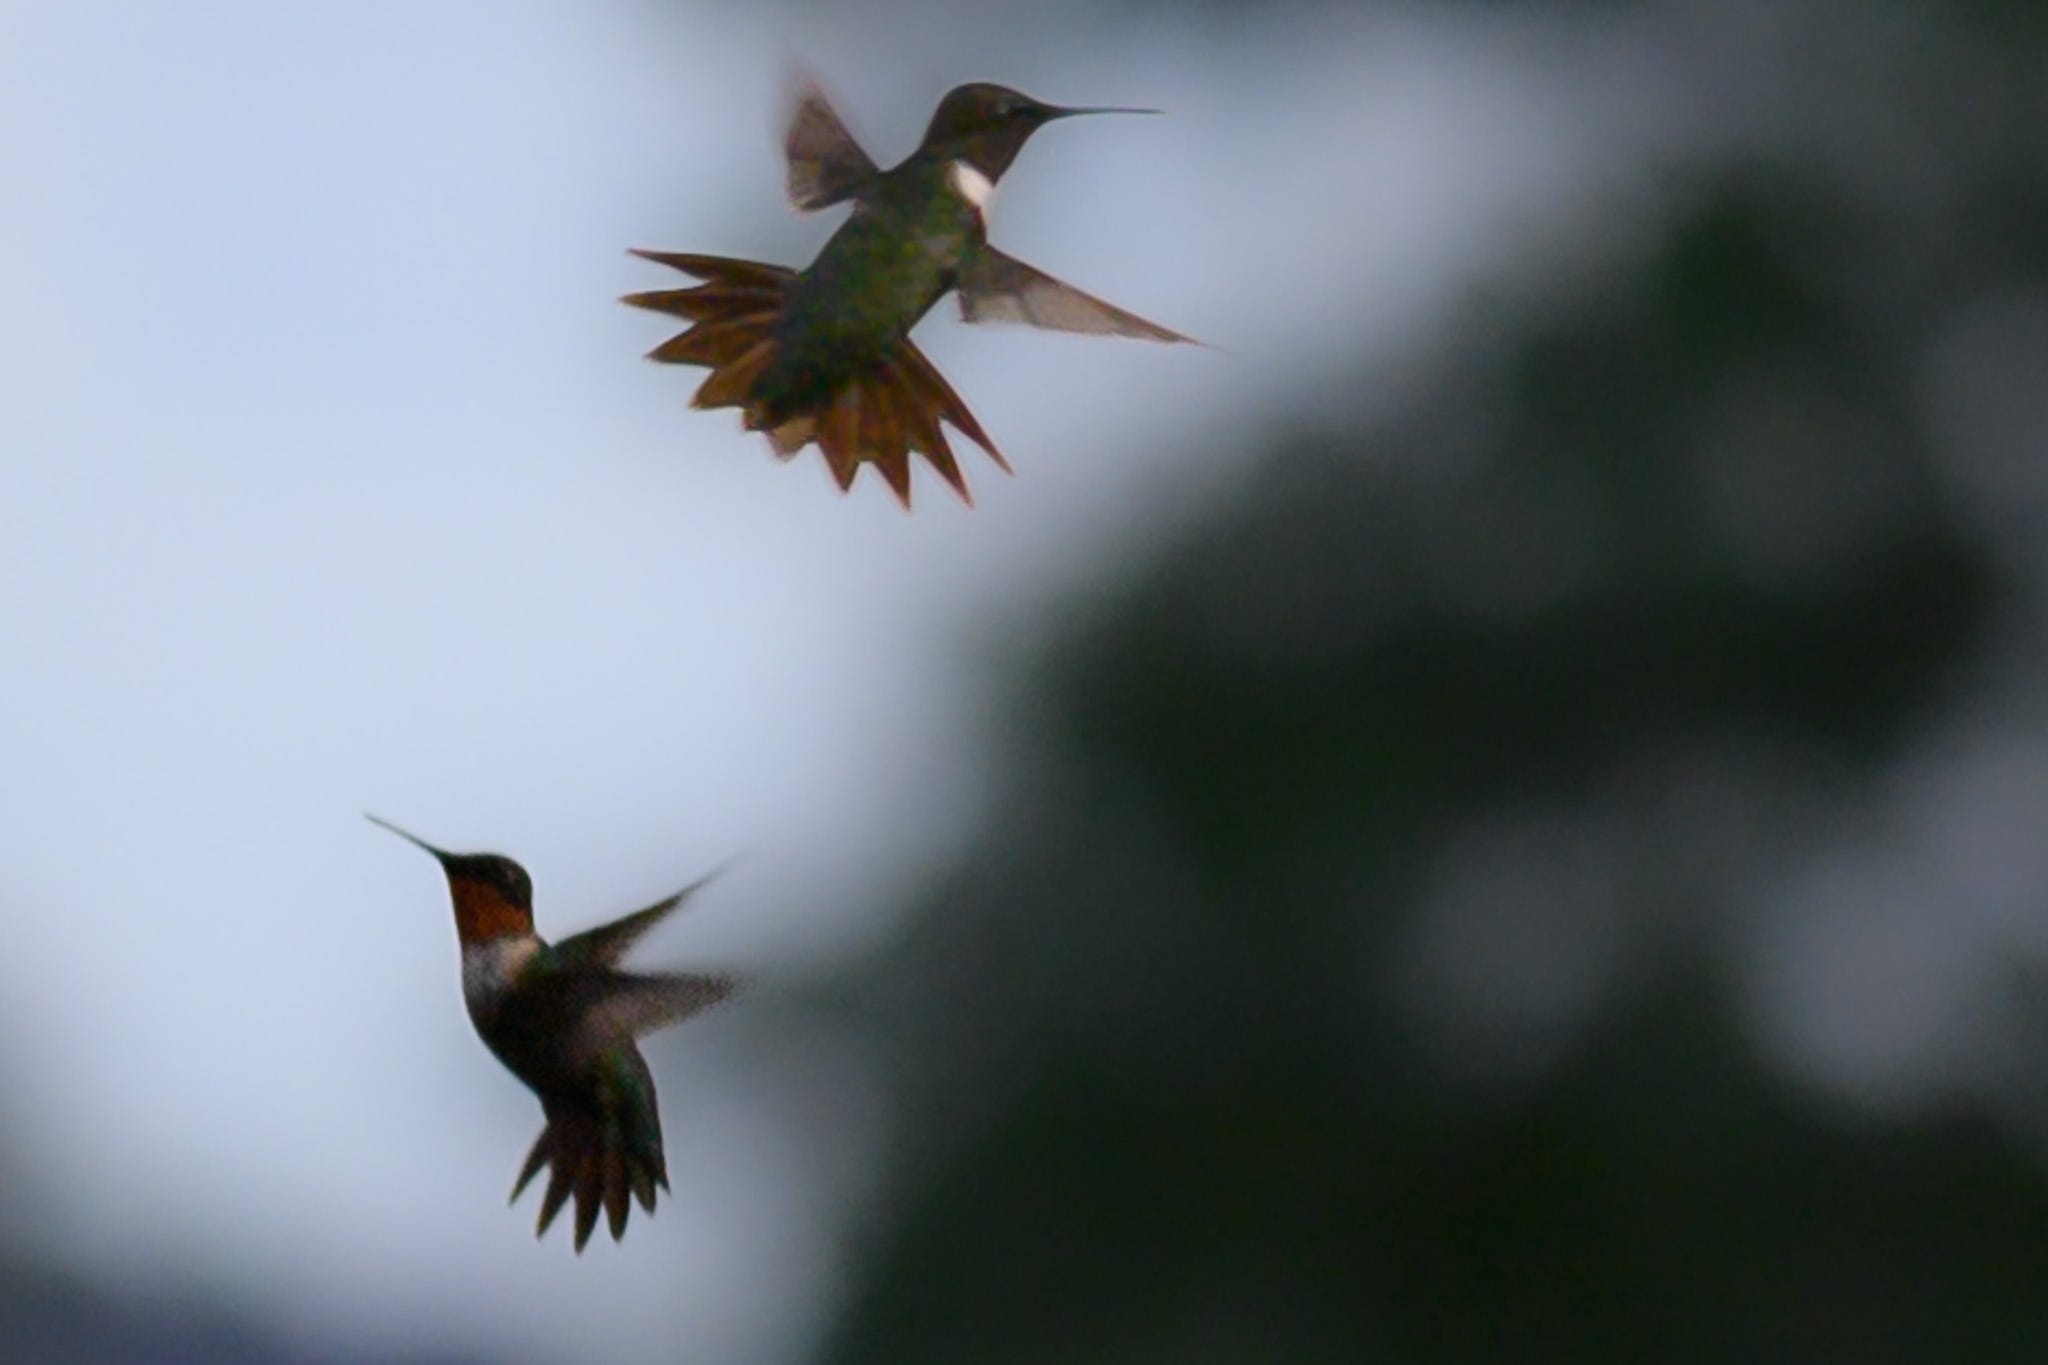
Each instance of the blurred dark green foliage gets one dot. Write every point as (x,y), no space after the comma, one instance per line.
(1168,1094)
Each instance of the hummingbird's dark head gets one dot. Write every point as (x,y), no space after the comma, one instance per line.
(493,895)
(985,124)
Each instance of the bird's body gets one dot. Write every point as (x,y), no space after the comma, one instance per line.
(563,1018)
(824,355)
(881,272)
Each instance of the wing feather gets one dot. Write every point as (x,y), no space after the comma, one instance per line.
(825,164)
(999,288)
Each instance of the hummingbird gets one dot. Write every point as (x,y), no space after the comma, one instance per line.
(823,355)
(562,1018)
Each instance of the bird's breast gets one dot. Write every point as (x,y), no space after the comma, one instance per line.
(490,968)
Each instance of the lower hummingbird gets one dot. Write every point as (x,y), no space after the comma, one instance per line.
(823,355)
(563,1019)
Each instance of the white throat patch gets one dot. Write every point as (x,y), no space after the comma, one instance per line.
(971,185)
(489,967)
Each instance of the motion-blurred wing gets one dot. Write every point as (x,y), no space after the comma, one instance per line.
(998,288)
(607,943)
(825,164)
(634,1004)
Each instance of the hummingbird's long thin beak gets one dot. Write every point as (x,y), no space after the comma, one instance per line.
(441,855)
(1059,111)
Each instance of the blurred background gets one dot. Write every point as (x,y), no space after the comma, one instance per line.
(1497,816)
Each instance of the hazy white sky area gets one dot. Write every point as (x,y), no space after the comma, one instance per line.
(334,481)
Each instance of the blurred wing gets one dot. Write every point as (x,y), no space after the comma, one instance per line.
(998,288)
(607,943)
(825,164)
(634,1004)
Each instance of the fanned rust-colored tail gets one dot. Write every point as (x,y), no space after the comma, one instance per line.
(881,417)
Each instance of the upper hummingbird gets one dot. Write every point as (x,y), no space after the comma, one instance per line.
(563,1018)
(824,355)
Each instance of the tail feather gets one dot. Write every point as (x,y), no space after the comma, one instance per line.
(589,1192)
(870,414)
(792,436)
(563,1162)
(535,1159)
(732,383)
(870,402)
(881,417)
(839,436)
(714,343)
(924,376)
(643,1186)
(593,1159)
(722,269)
(705,301)
(923,434)
(617,1191)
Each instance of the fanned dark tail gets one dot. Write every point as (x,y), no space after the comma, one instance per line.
(880,418)
(602,1161)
